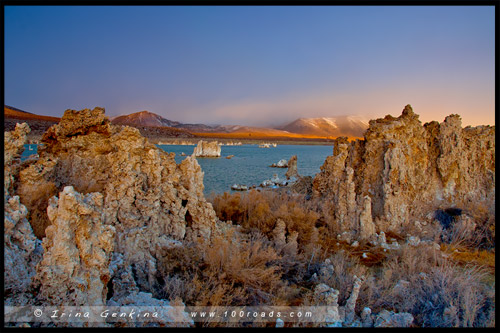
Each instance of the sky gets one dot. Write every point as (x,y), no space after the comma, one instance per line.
(255,66)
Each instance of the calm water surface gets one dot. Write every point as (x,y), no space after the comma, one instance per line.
(249,166)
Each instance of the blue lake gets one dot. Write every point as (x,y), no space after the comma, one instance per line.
(249,166)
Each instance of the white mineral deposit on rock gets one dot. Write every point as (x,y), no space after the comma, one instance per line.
(207,149)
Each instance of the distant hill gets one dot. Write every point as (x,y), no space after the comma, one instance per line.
(143,118)
(153,126)
(350,126)
(37,123)
(260,130)
(146,118)
(14,113)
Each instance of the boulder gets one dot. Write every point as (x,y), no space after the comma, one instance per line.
(239,187)
(280,164)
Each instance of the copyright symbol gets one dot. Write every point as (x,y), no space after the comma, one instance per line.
(38,313)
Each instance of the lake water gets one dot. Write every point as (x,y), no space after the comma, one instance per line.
(249,166)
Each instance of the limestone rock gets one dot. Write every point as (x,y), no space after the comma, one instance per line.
(275,179)
(125,293)
(327,270)
(280,164)
(351,301)
(150,200)
(292,168)
(413,240)
(326,296)
(279,233)
(74,269)
(74,123)
(303,185)
(366,317)
(286,244)
(14,142)
(207,149)
(291,246)
(408,170)
(366,225)
(390,319)
(22,252)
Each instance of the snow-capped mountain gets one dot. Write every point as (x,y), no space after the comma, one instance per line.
(351,126)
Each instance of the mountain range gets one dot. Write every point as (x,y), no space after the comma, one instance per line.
(350,126)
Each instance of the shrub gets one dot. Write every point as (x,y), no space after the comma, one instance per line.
(231,271)
(437,292)
(261,210)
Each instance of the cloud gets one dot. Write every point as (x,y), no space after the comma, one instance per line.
(285,109)
(370,104)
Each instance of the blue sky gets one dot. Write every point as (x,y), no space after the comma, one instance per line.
(253,65)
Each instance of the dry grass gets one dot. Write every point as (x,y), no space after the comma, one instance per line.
(420,281)
(231,271)
(247,268)
(467,256)
(261,211)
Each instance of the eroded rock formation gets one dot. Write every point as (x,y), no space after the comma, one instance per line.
(98,188)
(77,250)
(326,298)
(207,149)
(14,142)
(22,252)
(21,248)
(407,170)
(292,168)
